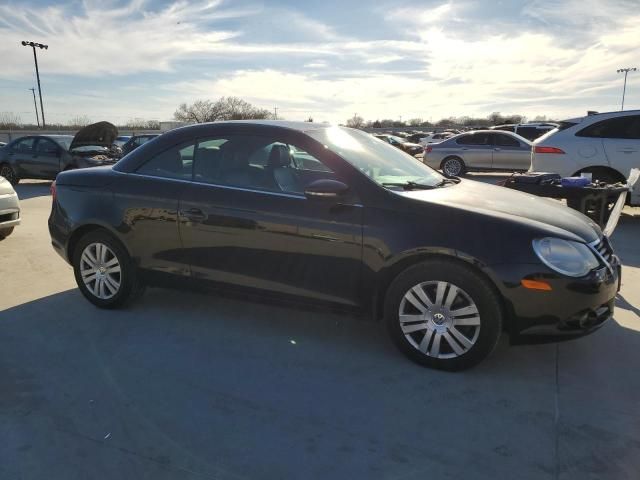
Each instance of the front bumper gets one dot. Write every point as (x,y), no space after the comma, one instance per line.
(9,210)
(574,307)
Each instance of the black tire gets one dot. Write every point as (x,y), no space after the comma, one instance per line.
(130,286)
(474,287)
(9,173)
(453,167)
(5,232)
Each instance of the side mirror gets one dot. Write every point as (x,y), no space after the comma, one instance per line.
(326,189)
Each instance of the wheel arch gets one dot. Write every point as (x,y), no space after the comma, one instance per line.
(603,169)
(83,230)
(391,272)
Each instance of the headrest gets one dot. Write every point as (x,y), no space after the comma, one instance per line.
(279,156)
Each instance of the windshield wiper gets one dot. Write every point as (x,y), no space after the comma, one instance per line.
(448,181)
(409,185)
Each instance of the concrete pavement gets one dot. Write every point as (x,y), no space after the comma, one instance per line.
(189,386)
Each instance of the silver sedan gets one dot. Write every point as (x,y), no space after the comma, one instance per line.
(9,208)
(483,150)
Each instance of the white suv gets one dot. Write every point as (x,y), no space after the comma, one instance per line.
(607,145)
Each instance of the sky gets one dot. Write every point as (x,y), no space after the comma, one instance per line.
(430,59)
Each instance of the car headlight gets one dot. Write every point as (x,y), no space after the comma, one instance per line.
(569,258)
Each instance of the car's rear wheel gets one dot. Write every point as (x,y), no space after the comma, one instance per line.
(5,232)
(9,173)
(104,272)
(444,315)
(453,167)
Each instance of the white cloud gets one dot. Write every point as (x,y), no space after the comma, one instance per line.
(561,64)
(109,40)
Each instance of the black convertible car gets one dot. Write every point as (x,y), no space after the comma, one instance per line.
(44,156)
(335,216)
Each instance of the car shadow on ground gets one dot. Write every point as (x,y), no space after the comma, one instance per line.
(29,190)
(190,384)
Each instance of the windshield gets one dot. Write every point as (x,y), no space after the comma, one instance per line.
(378,160)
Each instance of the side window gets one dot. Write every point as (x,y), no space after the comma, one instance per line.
(530,133)
(256,163)
(505,140)
(627,127)
(24,145)
(176,162)
(474,139)
(305,161)
(46,147)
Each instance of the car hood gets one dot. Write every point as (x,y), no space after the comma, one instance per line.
(5,187)
(548,215)
(100,134)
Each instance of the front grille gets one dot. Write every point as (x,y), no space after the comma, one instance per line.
(603,247)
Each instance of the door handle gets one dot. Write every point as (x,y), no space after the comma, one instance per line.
(193,215)
(497,149)
(627,150)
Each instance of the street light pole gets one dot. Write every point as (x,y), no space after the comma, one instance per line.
(35,105)
(33,45)
(624,88)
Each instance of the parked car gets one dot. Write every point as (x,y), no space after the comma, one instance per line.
(415,137)
(2,144)
(121,140)
(9,208)
(137,140)
(401,143)
(530,131)
(482,150)
(44,156)
(606,145)
(434,138)
(331,215)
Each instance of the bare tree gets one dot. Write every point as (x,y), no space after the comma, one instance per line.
(79,121)
(415,122)
(9,120)
(226,108)
(356,121)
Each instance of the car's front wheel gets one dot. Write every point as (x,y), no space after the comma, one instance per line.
(444,315)
(453,167)
(5,232)
(104,272)
(9,173)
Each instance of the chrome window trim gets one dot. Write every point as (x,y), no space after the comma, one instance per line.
(228,187)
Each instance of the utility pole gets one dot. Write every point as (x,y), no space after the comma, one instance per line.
(35,105)
(275,113)
(624,88)
(33,45)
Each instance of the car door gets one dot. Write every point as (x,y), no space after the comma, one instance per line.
(476,150)
(509,153)
(621,142)
(149,200)
(245,220)
(46,158)
(20,155)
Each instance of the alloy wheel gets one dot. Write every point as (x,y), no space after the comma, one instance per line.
(452,167)
(439,319)
(100,270)
(7,172)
